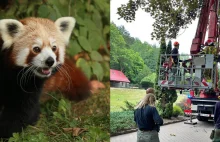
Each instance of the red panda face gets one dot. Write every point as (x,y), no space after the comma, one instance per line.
(36,43)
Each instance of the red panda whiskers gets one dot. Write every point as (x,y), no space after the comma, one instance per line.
(64,72)
(27,61)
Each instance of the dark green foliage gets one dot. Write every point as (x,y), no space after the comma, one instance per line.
(147,52)
(170,15)
(177,111)
(126,35)
(91,31)
(128,106)
(147,81)
(169,47)
(162,51)
(166,97)
(120,121)
(134,58)
(147,84)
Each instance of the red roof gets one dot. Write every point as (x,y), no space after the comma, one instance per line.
(116,75)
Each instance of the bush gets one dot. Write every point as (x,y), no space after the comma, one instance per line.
(177,111)
(121,121)
(128,106)
(146,84)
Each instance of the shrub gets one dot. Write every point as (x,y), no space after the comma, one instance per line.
(121,121)
(128,106)
(177,111)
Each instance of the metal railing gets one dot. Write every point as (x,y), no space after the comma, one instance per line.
(198,71)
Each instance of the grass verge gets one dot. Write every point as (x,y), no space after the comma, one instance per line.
(65,121)
(119,96)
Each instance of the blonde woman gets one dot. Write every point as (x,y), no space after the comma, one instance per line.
(147,119)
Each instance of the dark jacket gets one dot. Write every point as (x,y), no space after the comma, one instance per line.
(147,118)
(175,51)
(217,115)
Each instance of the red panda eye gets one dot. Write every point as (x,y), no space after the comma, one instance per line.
(37,49)
(54,48)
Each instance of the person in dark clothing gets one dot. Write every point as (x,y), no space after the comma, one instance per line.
(176,52)
(147,119)
(217,122)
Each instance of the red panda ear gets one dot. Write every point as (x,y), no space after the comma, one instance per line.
(66,25)
(9,30)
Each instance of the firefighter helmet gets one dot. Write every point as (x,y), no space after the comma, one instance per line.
(176,43)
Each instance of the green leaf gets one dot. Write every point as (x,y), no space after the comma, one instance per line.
(84,43)
(57,11)
(76,32)
(89,7)
(84,65)
(80,21)
(52,15)
(106,67)
(98,70)
(83,31)
(90,24)
(106,29)
(43,11)
(95,42)
(96,56)
(57,115)
(74,48)
(97,19)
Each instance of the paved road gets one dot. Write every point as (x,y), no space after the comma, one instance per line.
(183,133)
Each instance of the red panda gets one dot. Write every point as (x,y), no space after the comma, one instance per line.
(32,60)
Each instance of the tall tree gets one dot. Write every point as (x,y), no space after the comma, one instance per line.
(117,42)
(170,15)
(166,97)
(124,59)
(147,52)
(126,35)
(169,47)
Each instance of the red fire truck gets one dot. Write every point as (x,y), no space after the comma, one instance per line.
(199,73)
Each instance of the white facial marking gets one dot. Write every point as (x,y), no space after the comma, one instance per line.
(40,59)
(39,42)
(22,57)
(52,41)
(61,55)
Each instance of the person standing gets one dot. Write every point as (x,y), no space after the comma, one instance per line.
(147,119)
(175,51)
(217,123)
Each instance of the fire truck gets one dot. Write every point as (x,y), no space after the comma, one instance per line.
(198,73)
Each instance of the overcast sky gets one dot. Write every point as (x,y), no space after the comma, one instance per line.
(142,27)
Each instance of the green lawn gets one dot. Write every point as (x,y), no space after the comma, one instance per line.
(119,95)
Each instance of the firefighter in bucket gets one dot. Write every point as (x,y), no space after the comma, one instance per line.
(175,51)
(175,58)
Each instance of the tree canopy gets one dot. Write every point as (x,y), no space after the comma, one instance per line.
(131,56)
(170,15)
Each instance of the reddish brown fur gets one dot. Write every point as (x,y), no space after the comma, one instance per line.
(79,84)
(79,87)
(36,28)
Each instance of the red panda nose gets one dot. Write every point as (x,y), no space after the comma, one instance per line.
(49,62)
